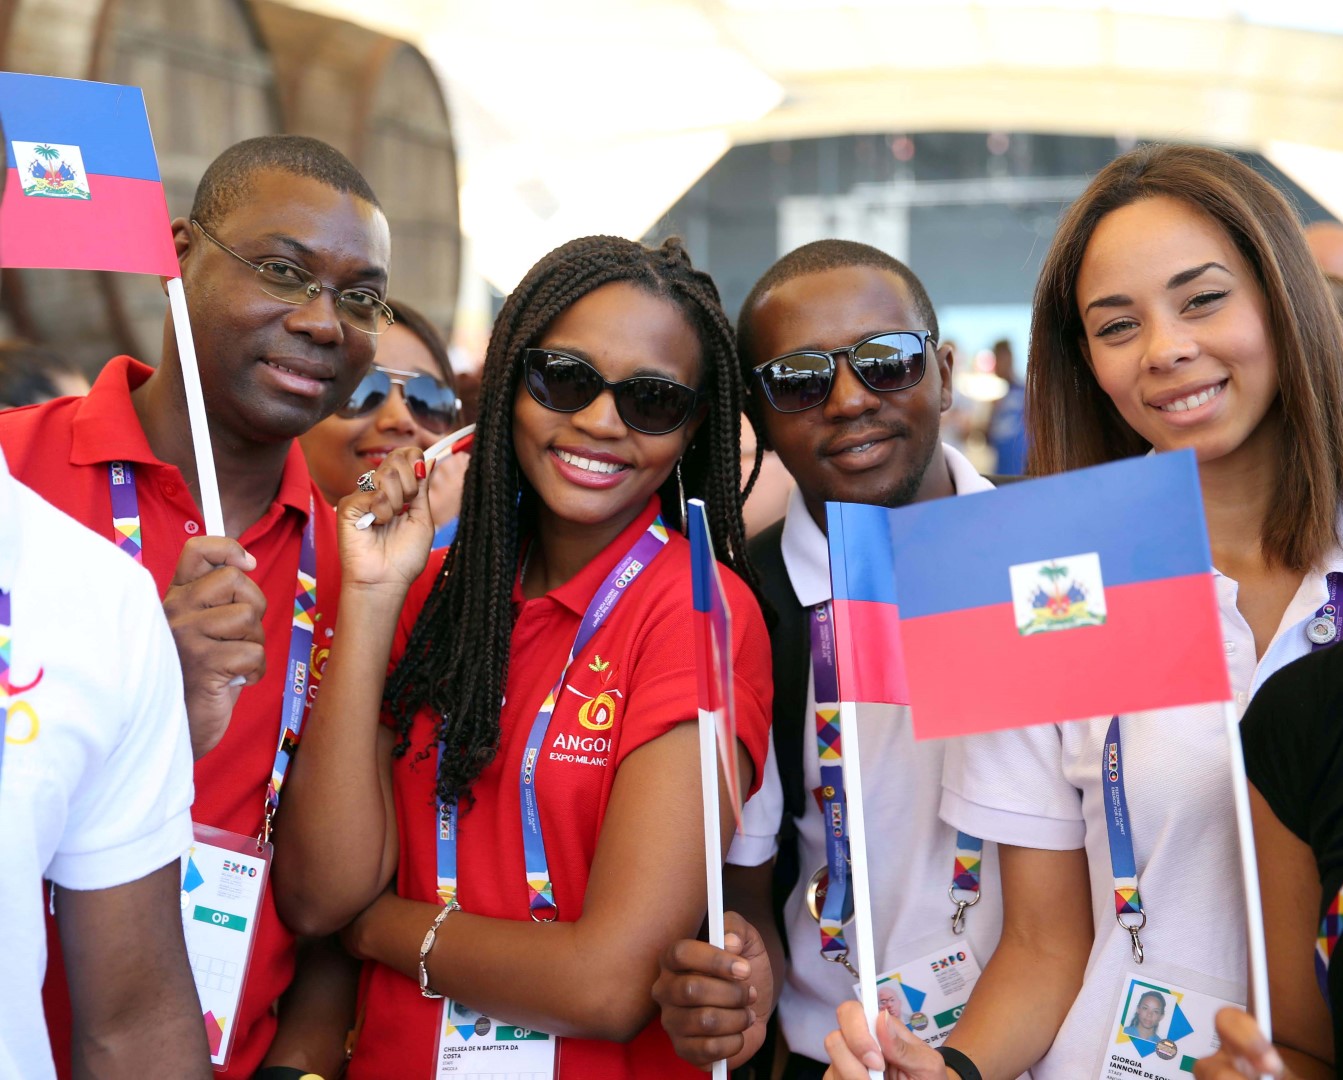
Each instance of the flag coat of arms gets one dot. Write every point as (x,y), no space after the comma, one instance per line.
(1085,594)
(82,187)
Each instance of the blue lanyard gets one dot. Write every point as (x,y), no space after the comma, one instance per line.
(6,687)
(1129,911)
(293,707)
(837,908)
(540,890)
(1323,628)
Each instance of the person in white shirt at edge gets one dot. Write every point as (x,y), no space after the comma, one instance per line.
(850,437)
(95,795)
(1178,307)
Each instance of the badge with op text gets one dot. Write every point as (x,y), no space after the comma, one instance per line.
(928,994)
(476,1047)
(223,880)
(1159,1030)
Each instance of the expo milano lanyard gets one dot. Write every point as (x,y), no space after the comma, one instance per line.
(1322,630)
(126,522)
(837,907)
(541,896)
(5,689)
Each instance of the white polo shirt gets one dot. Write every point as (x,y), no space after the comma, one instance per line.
(1041,788)
(910,851)
(95,783)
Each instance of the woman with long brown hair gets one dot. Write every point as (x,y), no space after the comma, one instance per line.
(1178,307)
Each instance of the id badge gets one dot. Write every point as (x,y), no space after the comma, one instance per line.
(1159,1029)
(223,880)
(928,994)
(475,1047)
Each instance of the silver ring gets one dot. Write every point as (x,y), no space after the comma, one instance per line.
(365,482)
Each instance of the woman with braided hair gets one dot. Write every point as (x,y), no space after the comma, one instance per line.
(523,832)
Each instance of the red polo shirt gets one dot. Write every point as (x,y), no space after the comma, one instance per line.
(634,681)
(61,449)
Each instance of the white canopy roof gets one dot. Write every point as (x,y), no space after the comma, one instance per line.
(595,115)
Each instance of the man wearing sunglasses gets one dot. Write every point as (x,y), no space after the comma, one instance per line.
(839,343)
(284,261)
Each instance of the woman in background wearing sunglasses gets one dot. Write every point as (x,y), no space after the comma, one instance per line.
(544,691)
(408,398)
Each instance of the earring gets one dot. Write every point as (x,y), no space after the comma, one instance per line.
(680,488)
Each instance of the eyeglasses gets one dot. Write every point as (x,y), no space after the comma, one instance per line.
(646,403)
(434,406)
(886,362)
(294,285)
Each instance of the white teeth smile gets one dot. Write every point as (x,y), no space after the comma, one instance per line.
(1193,401)
(588,464)
(860,449)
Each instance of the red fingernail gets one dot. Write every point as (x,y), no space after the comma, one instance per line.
(420,471)
(404,509)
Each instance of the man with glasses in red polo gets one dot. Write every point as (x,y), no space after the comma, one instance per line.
(284,261)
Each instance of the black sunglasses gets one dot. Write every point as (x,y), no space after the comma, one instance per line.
(433,405)
(567,383)
(885,362)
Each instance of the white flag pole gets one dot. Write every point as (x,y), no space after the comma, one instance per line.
(211,509)
(1249,868)
(862,897)
(713,842)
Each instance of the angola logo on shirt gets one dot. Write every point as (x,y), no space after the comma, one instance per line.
(599,713)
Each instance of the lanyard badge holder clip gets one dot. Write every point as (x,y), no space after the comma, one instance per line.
(1129,911)
(965,878)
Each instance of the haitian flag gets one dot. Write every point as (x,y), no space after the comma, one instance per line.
(713,646)
(82,190)
(870,658)
(1085,594)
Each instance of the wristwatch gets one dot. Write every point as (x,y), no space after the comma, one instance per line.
(427,944)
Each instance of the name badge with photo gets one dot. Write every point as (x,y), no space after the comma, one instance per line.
(223,880)
(929,994)
(1159,1030)
(475,1047)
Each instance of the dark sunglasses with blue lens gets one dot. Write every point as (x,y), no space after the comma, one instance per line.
(432,404)
(797,381)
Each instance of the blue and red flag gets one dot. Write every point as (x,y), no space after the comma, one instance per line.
(713,647)
(1085,594)
(82,188)
(869,656)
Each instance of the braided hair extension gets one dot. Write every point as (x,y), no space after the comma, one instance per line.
(456,661)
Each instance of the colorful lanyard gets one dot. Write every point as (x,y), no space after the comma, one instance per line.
(5,690)
(1323,631)
(1129,911)
(838,905)
(541,894)
(964,889)
(126,522)
(125,509)
(1323,628)
(1331,929)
